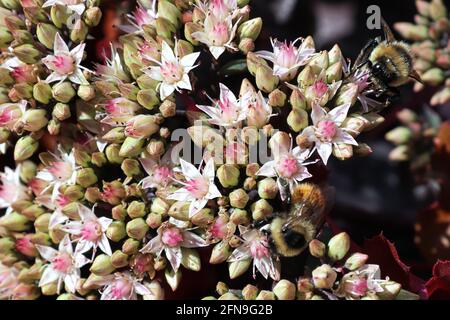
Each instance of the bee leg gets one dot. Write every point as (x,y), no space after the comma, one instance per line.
(364,55)
(260,223)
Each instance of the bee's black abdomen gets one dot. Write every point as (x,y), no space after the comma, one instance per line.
(293,239)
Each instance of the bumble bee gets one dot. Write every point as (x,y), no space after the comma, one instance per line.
(389,64)
(290,232)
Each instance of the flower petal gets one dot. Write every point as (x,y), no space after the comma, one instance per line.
(165,90)
(267,170)
(317,113)
(174,256)
(48,276)
(324,150)
(339,114)
(344,137)
(59,45)
(48,253)
(189,59)
(191,240)
(167,54)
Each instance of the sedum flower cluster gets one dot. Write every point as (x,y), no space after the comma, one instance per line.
(335,278)
(101,206)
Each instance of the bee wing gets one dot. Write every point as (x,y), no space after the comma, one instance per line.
(315,213)
(363,56)
(388,34)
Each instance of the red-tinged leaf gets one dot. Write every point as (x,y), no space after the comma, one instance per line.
(383,252)
(438,287)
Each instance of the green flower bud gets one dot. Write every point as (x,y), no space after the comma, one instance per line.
(433,77)
(116,231)
(131,147)
(220,253)
(42,92)
(5,77)
(306,77)
(27,53)
(115,135)
(14,222)
(239,198)
(250,292)
(154,220)
(267,188)
(54,127)
(6,245)
(399,135)
(112,154)
(228,296)
(21,91)
(189,29)
(165,29)
(98,159)
(5,37)
(4,135)
(25,147)
(119,212)
(86,177)
(102,265)
(437,10)
(285,290)
(92,16)
(169,12)
(240,217)
(319,62)
(130,167)
(246,45)
(356,261)
(362,150)
(63,92)
(338,246)
(159,206)
(253,63)
(184,48)
(32,212)
(250,29)
(137,228)
(222,288)
(41,223)
(228,175)
(180,210)
(238,268)
(34,119)
(265,295)
(131,246)
(173,278)
(61,111)
(74,193)
(252,169)
(343,151)
(86,92)
(136,209)
(265,80)
(204,136)
(390,291)
(261,209)
(155,148)
(46,33)
(119,259)
(203,218)
(28,171)
(49,289)
(324,277)
(277,98)
(21,205)
(79,31)
(317,248)
(148,98)
(334,72)
(400,153)
(411,32)
(297,120)
(190,259)
(168,108)
(335,55)
(82,158)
